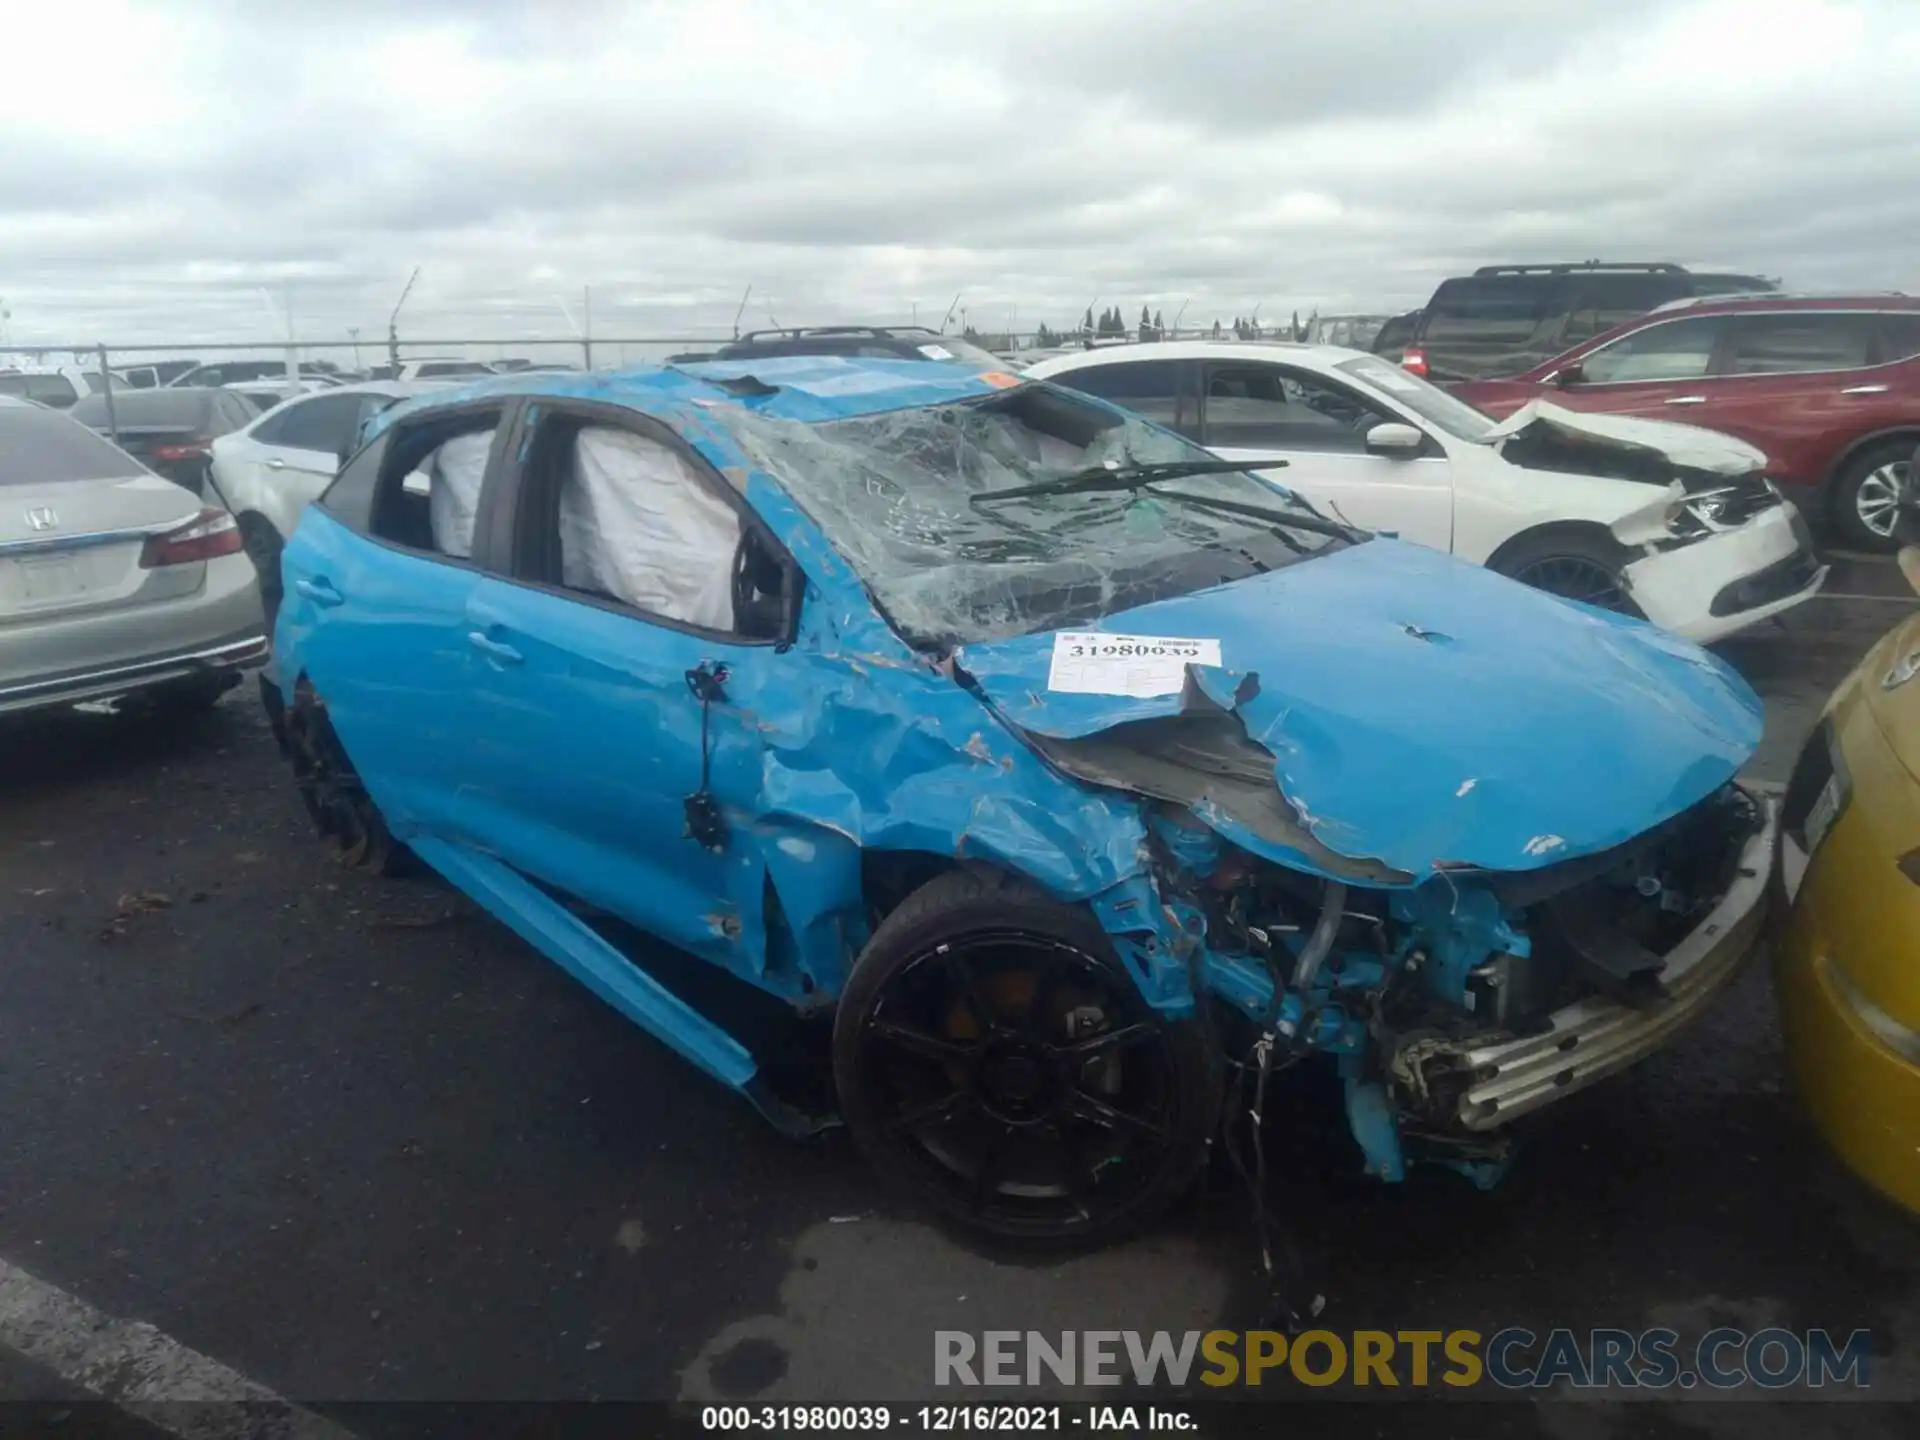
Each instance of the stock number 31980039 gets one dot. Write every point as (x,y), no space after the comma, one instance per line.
(921,1420)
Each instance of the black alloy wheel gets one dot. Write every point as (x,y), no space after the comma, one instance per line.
(1003,1065)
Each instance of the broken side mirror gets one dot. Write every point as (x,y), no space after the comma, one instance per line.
(1567,375)
(1395,440)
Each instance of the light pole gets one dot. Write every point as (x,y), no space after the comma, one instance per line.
(353,334)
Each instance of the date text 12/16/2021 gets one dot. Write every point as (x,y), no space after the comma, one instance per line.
(946,1419)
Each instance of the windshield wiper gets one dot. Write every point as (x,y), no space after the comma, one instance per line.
(1139,475)
(1115,476)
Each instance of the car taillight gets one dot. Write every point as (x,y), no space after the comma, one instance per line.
(185,450)
(210,534)
(1414,360)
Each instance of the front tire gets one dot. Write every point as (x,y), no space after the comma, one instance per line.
(1575,563)
(1865,500)
(993,1057)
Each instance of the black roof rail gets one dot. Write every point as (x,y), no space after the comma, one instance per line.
(802,332)
(1646,267)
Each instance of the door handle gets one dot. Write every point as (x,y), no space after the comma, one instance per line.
(1864,390)
(320,592)
(493,649)
(276,464)
(1688,400)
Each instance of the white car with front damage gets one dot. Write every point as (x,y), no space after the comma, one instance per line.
(1670,522)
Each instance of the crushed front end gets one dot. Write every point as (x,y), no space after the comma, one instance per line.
(1454,1006)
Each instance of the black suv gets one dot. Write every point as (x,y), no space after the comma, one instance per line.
(1504,319)
(875,342)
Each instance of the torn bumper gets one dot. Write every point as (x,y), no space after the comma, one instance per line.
(1715,587)
(1594,1038)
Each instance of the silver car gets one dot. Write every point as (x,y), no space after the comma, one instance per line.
(113,581)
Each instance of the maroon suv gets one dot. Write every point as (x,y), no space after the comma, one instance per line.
(1829,387)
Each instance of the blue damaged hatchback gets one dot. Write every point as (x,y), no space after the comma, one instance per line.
(1078,779)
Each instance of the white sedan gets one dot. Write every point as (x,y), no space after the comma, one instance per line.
(269,472)
(1670,522)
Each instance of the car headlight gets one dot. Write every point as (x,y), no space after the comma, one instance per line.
(1726,508)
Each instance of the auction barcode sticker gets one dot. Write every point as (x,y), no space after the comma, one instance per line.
(1092,663)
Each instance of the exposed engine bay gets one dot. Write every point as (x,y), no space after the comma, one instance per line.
(1409,987)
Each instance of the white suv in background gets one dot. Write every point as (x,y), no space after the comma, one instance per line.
(1670,522)
(442,367)
(269,472)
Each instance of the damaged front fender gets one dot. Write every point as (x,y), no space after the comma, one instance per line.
(1413,714)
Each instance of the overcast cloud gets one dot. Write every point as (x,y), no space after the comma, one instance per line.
(180,169)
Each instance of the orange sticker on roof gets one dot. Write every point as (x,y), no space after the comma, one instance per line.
(999,379)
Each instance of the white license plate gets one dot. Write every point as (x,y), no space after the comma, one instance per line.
(50,577)
(1821,817)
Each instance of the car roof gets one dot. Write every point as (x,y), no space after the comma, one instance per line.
(1798,300)
(805,388)
(827,332)
(1323,356)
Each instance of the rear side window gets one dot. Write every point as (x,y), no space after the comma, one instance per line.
(1899,336)
(327,423)
(1263,406)
(43,448)
(1799,343)
(418,484)
(55,390)
(1492,310)
(1149,388)
(1670,350)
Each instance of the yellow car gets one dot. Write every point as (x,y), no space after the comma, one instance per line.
(1847,968)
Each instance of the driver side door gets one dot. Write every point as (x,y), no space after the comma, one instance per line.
(631,628)
(1259,411)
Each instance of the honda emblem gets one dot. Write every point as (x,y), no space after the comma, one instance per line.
(42,518)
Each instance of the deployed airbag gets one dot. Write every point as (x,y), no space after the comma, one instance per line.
(637,524)
(453,496)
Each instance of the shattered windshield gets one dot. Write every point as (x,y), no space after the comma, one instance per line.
(895,493)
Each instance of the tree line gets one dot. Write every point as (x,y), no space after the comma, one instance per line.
(1111,324)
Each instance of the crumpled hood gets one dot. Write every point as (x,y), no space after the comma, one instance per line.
(1690,447)
(1418,711)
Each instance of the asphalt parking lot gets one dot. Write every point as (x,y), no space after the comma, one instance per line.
(356,1141)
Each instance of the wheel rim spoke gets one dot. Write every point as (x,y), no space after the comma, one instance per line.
(1039,1003)
(966,984)
(1107,1042)
(1878,499)
(1099,1112)
(934,1112)
(991,1170)
(1076,1175)
(918,1042)
(1575,579)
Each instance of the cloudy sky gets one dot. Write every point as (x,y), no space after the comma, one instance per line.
(188,169)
